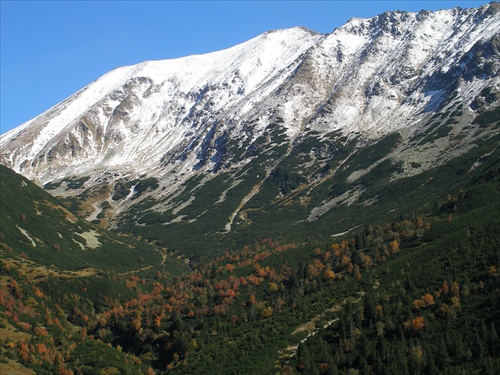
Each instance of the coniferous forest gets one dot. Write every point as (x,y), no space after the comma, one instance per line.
(417,295)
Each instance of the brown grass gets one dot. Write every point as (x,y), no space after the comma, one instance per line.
(14,368)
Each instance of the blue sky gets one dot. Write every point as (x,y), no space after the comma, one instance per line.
(51,49)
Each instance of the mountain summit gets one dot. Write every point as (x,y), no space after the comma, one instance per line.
(291,119)
(134,116)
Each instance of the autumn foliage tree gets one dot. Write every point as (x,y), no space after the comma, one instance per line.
(418,324)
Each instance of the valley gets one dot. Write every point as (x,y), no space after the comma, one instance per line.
(301,203)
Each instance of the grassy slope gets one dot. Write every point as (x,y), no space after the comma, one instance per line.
(39,230)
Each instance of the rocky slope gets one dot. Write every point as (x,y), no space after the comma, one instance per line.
(291,119)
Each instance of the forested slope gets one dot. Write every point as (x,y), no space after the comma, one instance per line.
(418,295)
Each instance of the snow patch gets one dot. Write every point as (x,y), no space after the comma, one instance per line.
(27,235)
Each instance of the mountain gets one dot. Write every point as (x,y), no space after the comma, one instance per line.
(284,135)
(334,200)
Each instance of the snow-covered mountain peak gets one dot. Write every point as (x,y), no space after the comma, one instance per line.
(367,78)
(237,71)
(259,56)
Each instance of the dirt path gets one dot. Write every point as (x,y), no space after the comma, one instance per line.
(311,327)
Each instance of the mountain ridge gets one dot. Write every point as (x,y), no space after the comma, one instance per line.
(389,21)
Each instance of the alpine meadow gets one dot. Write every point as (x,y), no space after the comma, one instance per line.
(300,203)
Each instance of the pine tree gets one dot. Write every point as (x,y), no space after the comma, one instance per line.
(442,357)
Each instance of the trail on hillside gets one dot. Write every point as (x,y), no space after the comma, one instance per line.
(286,354)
